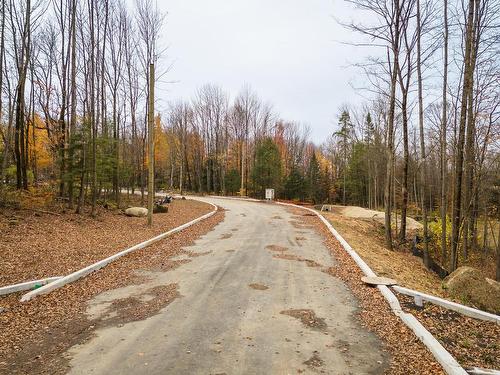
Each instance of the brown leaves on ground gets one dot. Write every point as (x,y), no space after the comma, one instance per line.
(366,237)
(298,224)
(40,246)
(36,333)
(276,248)
(282,255)
(473,342)
(133,308)
(307,317)
(314,361)
(287,257)
(408,354)
(257,286)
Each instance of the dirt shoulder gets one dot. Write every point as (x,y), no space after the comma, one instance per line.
(472,342)
(408,354)
(356,212)
(36,245)
(366,237)
(36,333)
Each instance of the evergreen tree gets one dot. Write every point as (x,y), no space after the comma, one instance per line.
(266,172)
(369,129)
(356,181)
(325,186)
(345,132)
(232,181)
(314,180)
(295,185)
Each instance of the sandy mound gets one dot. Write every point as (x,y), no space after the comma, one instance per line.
(469,285)
(356,212)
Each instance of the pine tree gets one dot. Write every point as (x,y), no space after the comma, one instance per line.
(266,172)
(232,181)
(369,129)
(344,133)
(295,185)
(314,179)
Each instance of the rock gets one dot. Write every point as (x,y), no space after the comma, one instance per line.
(110,206)
(136,211)
(160,209)
(378,280)
(468,284)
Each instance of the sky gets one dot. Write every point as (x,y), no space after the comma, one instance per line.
(290,52)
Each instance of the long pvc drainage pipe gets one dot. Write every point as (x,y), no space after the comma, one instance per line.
(445,359)
(27,285)
(465,310)
(98,265)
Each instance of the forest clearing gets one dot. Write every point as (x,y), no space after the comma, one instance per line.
(183,192)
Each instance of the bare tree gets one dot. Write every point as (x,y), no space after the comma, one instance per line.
(443,143)
(423,170)
(468,77)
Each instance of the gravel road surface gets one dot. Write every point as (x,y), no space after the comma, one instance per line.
(253,300)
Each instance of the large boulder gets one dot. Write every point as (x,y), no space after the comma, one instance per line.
(467,284)
(136,211)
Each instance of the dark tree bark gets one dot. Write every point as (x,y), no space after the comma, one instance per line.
(443,143)
(468,74)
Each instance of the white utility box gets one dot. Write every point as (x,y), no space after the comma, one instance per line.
(269,194)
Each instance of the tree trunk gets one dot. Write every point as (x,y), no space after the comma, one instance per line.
(444,125)
(92,109)
(459,153)
(406,157)
(72,121)
(390,130)
(498,255)
(7,135)
(19,138)
(469,159)
(423,168)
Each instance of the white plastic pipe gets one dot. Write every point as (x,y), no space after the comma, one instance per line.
(445,359)
(465,310)
(27,285)
(98,265)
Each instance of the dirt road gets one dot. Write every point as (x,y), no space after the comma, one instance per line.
(253,301)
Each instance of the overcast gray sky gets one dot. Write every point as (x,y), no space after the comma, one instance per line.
(288,51)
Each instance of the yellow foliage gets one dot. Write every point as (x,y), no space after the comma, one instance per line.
(39,144)
(161,143)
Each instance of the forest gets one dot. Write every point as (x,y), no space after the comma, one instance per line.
(423,142)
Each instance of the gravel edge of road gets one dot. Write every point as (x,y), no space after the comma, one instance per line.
(38,332)
(408,354)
